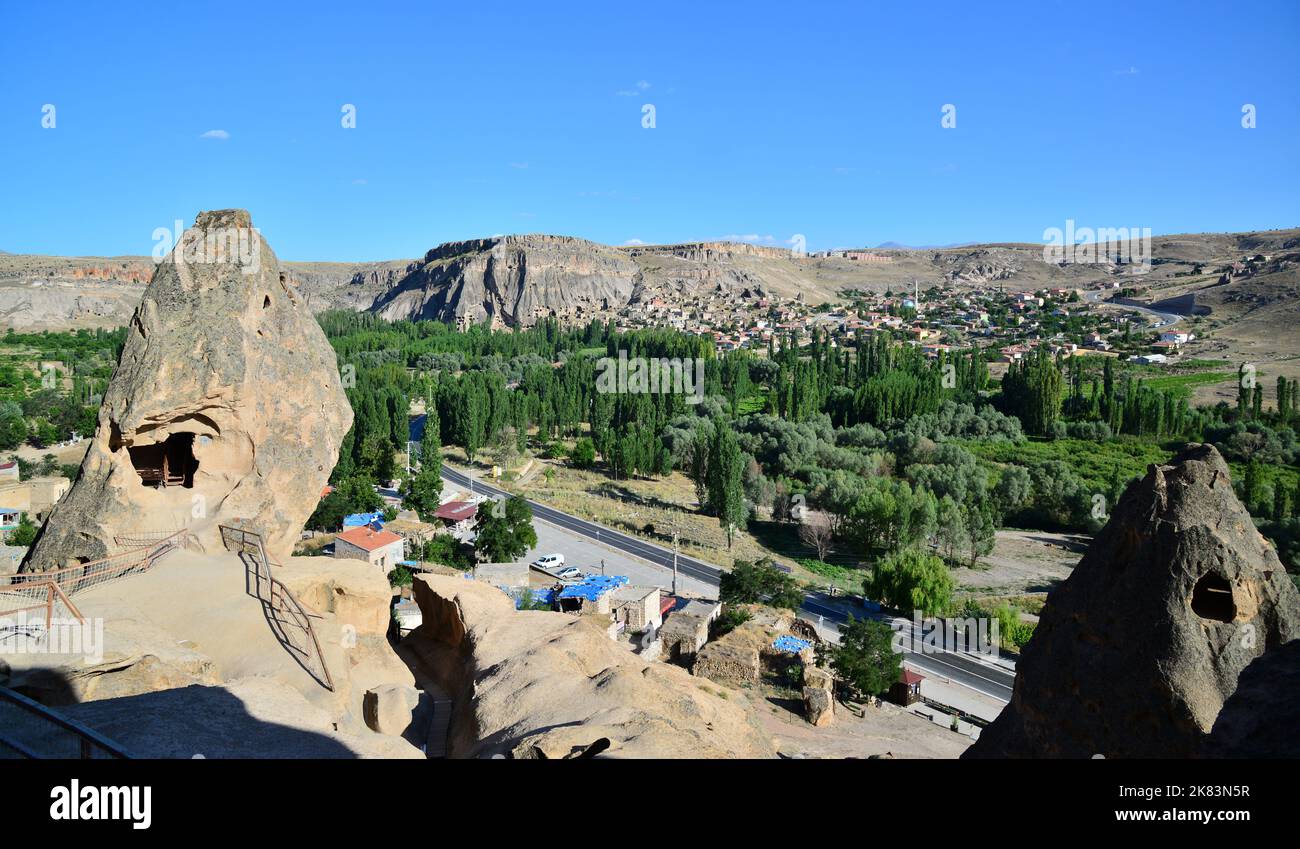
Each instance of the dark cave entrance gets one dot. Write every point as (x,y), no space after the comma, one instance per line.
(164,464)
(1212,599)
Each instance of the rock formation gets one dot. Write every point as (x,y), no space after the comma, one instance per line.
(511,281)
(1260,719)
(534,684)
(185,661)
(226,405)
(818,696)
(1137,652)
(515,280)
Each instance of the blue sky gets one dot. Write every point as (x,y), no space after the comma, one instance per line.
(821,119)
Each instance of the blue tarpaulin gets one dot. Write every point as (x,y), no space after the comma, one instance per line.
(593,587)
(793,645)
(544,595)
(356,520)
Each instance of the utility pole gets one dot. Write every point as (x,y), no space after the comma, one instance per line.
(674,562)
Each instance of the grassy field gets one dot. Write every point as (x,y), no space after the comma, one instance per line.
(1096,462)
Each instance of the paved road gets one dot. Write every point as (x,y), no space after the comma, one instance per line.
(976,673)
(1162,319)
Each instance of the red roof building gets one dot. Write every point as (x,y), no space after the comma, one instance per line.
(383,549)
(368,539)
(455,512)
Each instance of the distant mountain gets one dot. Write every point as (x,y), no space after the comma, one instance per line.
(514,280)
(897,246)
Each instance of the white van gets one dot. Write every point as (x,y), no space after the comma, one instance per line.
(549,562)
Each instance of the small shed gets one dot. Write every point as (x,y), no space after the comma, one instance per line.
(907,689)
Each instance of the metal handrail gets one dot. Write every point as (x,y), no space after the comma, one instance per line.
(280,599)
(81,575)
(89,738)
(58,584)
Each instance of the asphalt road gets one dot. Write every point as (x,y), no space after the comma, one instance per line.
(978,674)
(1163,320)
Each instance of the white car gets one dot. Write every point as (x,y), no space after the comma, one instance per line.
(572,573)
(549,562)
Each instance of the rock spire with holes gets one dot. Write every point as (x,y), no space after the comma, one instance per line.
(226,404)
(1137,651)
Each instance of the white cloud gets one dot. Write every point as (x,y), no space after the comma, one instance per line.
(1130,71)
(216,134)
(631,243)
(641,87)
(751,238)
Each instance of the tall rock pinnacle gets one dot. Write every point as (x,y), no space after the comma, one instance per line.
(226,404)
(1138,650)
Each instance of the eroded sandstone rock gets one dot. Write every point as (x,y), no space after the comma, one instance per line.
(818,706)
(1137,651)
(226,404)
(540,684)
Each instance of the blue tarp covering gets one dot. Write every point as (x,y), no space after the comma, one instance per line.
(356,520)
(593,586)
(545,595)
(793,645)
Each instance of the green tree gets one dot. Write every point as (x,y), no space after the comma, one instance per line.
(421,491)
(1031,391)
(25,533)
(911,580)
(864,660)
(13,426)
(504,531)
(759,583)
(950,529)
(726,481)
(981,525)
(1253,486)
(697,461)
(583,455)
(351,495)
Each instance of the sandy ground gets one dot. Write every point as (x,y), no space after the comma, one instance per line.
(1023,562)
(67,454)
(880,730)
(203,602)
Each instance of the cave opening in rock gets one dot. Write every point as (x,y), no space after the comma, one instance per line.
(1212,599)
(164,464)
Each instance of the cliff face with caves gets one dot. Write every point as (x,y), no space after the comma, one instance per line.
(226,404)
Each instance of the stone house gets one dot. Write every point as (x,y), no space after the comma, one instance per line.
(383,549)
(637,607)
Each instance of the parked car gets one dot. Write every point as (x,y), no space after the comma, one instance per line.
(572,573)
(549,562)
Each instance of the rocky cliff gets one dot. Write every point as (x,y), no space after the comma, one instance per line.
(532,684)
(511,280)
(516,279)
(1140,651)
(226,405)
